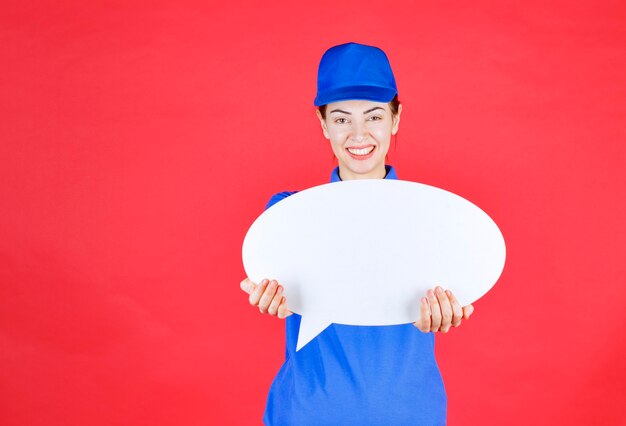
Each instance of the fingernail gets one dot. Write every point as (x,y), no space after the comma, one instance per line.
(439,290)
(273,284)
(448,292)
(264,282)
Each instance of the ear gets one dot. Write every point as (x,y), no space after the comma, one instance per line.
(323,123)
(396,120)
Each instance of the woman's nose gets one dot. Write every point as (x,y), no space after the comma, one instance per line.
(358,132)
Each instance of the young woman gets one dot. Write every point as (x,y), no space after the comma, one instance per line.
(359,375)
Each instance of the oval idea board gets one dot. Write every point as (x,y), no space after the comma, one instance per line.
(363,252)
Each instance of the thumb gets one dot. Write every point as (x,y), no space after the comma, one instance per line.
(467,311)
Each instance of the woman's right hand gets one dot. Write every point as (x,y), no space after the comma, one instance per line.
(267,296)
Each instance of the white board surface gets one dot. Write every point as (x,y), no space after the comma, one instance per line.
(363,252)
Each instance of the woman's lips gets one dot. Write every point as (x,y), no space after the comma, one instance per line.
(361,152)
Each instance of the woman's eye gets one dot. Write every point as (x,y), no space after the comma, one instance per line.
(375,118)
(341,120)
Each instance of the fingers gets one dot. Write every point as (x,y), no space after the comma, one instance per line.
(423,324)
(283,312)
(446,310)
(457,310)
(255,296)
(435,311)
(267,296)
(275,303)
(440,310)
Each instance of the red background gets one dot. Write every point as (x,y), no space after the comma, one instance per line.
(139,140)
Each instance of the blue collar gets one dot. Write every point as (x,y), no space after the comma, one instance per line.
(391,174)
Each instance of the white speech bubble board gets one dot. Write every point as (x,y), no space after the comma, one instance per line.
(363,252)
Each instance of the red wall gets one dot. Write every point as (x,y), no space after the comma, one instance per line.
(139,140)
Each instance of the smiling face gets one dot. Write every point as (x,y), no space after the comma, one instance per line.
(360,133)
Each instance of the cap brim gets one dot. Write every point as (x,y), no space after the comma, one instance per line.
(368,93)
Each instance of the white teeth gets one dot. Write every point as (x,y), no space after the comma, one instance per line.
(363,151)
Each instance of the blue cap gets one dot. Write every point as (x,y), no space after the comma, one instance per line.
(354,71)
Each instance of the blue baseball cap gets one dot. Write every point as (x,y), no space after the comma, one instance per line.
(354,71)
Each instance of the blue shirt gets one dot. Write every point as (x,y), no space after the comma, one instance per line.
(357,375)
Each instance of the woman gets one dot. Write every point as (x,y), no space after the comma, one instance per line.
(361,375)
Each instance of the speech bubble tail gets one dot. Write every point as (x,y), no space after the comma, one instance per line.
(309,329)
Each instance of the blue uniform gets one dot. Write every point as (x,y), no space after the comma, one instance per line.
(357,375)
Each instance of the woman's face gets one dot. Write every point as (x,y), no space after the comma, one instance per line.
(359,133)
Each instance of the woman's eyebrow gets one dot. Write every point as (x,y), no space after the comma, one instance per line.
(349,113)
(372,109)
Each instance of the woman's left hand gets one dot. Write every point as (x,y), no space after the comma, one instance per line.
(440,310)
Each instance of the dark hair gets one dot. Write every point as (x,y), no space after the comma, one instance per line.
(394,104)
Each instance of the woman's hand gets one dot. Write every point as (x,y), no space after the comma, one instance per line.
(440,310)
(267,296)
